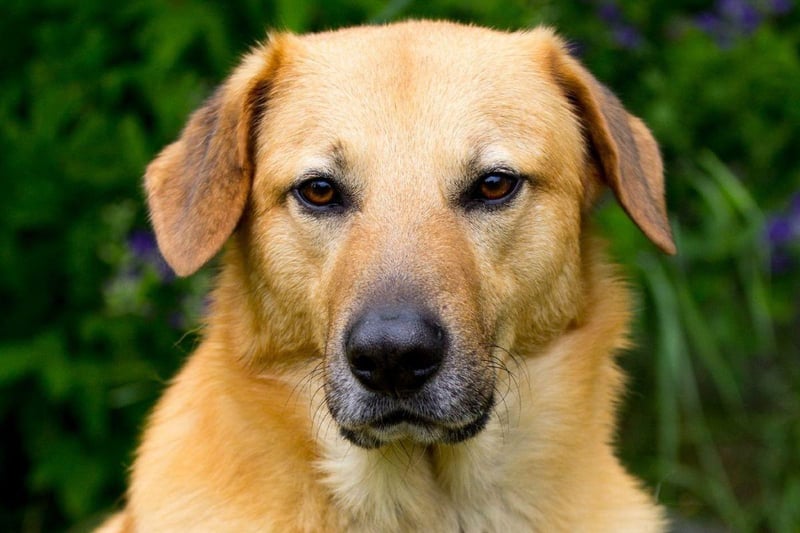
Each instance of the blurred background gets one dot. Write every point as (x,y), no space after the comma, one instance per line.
(95,323)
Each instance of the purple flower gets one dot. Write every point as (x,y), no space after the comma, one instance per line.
(609,12)
(144,249)
(627,37)
(780,231)
(780,7)
(142,244)
(741,13)
(622,33)
(708,22)
(783,237)
(794,209)
(731,19)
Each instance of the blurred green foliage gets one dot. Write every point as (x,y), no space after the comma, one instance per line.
(95,325)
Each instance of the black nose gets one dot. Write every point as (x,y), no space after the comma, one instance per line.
(394,349)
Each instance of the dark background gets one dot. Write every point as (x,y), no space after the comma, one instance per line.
(94,324)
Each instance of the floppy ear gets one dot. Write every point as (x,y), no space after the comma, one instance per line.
(626,154)
(197,187)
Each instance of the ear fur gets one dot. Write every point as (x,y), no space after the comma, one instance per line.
(197,186)
(626,153)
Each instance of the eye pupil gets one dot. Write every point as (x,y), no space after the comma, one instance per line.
(318,192)
(496,186)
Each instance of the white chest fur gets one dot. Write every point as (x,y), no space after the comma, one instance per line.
(465,488)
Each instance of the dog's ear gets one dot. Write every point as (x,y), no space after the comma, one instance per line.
(626,155)
(197,187)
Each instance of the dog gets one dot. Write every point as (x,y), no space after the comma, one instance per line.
(413,327)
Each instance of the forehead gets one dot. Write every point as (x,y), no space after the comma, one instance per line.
(420,90)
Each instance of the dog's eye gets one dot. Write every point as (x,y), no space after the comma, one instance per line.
(494,188)
(319,193)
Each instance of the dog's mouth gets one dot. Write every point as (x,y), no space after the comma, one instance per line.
(403,424)
(398,373)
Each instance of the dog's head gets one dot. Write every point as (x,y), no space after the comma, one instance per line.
(407,201)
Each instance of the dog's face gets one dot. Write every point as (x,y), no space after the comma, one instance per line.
(413,197)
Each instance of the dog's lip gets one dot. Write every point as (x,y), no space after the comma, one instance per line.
(374,434)
(402,416)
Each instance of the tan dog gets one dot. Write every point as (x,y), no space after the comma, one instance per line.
(412,329)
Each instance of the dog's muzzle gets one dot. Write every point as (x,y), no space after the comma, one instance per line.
(399,375)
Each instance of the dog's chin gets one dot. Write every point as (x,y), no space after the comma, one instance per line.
(401,426)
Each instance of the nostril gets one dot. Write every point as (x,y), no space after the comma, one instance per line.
(421,364)
(363,363)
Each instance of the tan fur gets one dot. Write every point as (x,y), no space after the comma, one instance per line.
(243,439)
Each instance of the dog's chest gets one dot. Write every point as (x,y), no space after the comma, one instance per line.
(463,489)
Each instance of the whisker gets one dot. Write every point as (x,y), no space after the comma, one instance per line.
(518,360)
(504,423)
(511,378)
(306,380)
(318,412)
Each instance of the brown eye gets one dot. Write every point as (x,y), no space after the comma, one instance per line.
(318,193)
(495,188)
